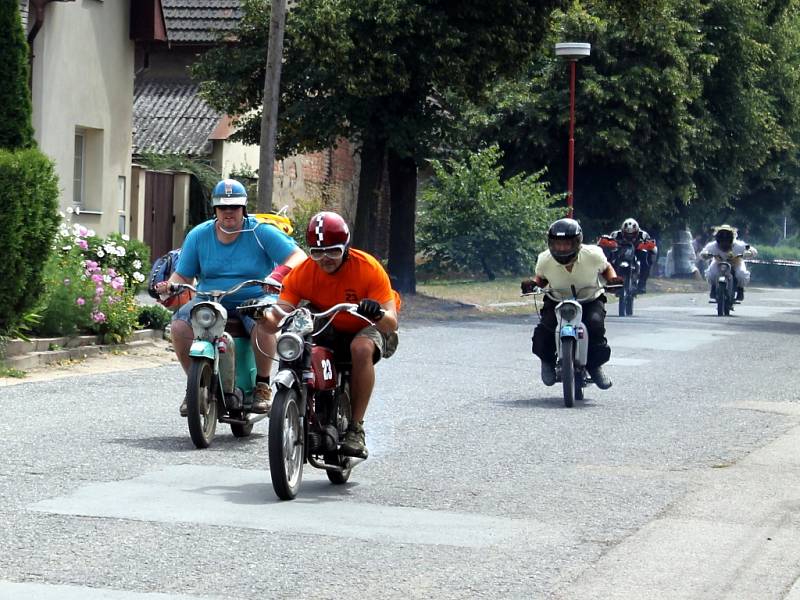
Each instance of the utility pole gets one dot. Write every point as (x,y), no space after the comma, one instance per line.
(269,108)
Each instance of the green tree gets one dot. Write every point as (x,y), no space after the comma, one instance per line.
(470,221)
(682,112)
(389,74)
(16,130)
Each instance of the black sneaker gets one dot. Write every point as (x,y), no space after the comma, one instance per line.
(354,443)
(739,294)
(548,373)
(713,293)
(599,378)
(184,409)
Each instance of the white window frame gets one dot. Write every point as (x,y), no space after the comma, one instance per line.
(79,169)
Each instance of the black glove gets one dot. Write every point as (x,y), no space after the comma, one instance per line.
(371,309)
(528,286)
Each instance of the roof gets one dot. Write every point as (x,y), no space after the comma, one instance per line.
(200,21)
(169,117)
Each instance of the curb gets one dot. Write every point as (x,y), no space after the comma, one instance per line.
(24,355)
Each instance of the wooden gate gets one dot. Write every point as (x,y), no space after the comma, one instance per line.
(159,214)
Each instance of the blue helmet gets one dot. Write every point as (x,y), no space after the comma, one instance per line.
(229,192)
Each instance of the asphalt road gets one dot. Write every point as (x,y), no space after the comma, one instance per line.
(682,481)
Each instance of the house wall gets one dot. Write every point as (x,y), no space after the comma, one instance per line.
(82,80)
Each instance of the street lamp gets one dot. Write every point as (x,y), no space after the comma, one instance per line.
(572,52)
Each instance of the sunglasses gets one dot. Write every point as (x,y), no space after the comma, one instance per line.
(229,207)
(334,252)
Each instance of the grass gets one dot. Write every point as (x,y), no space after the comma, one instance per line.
(481,293)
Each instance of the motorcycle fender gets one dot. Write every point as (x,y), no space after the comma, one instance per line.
(722,280)
(285,378)
(202,349)
(324,369)
(568,330)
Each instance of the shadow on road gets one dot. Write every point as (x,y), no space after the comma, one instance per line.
(547,402)
(313,491)
(182,443)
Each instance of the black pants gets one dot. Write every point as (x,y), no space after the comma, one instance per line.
(645,262)
(594,315)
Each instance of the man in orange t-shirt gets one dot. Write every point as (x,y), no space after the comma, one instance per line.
(334,273)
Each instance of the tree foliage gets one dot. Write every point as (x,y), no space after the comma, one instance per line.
(682,114)
(470,221)
(16,130)
(387,74)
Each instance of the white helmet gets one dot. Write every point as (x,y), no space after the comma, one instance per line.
(630,228)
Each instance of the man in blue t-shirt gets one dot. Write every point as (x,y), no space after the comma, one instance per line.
(220,253)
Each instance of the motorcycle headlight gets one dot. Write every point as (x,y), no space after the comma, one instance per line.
(205,317)
(290,346)
(568,312)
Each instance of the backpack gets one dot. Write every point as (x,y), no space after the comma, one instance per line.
(161,270)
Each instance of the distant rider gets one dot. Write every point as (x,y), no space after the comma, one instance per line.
(646,249)
(727,247)
(335,273)
(568,262)
(220,253)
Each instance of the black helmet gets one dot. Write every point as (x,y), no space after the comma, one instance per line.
(724,235)
(565,229)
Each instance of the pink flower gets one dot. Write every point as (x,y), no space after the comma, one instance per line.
(82,231)
(99,291)
(112,273)
(117,283)
(90,265)
(83,244)
(80,301)
(98,317)
(97,278)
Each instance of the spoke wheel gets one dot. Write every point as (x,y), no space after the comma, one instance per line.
(201,403)
(286,441)
(568,370)
(343,415)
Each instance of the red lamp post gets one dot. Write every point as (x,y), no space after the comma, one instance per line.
(572,52)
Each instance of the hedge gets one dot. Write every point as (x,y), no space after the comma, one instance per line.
(28,225)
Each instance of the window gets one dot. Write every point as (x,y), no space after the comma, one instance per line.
(78,170)
(121,203)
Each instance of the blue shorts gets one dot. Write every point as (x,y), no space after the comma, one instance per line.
(184,314)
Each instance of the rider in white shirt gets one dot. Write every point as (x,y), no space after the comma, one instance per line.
(568,262)
(726,247)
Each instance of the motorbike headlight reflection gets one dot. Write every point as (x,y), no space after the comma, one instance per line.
(568,312)
(205,317)
(290,346)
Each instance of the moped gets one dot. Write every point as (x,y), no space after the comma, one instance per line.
(222,375)
(726,287)
(311,408)
(626,264)
(572,338)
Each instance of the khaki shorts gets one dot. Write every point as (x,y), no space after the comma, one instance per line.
(386,343)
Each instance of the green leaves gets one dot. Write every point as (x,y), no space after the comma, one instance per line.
(470,221)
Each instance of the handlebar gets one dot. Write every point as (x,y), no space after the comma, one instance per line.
(342,306)
(217,294)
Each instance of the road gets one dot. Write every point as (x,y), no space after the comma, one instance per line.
(681,481)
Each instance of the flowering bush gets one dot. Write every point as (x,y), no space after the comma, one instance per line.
(85,293)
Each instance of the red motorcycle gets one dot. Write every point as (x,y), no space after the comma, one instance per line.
(311,408)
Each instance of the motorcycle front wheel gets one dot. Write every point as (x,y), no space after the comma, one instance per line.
(722,296)
(568,370)
(201,403)
(286,444)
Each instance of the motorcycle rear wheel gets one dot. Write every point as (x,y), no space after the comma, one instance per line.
(286,444)
(722,295)
(568,370)
(343,415)
(201,403)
